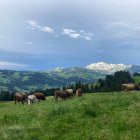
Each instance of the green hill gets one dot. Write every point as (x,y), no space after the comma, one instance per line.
(102,116)
(30,80)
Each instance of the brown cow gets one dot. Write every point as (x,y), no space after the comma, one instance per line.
(79,92)
(40,96)
(20,97)
(61,94)
(74,91)
(130,87)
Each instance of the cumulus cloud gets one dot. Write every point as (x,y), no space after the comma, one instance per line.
(86,36)
(11,65)
(66,31)
(47,29)
(35,25)
(71,33)
(74,34)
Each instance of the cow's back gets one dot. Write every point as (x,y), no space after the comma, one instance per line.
(40,96)
(20,97)
(61,94)
(130,87)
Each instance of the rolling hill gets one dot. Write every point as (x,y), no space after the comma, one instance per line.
(30,80)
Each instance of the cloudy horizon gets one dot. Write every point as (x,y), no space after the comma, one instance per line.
(44,34)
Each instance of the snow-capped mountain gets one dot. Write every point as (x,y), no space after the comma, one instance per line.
(134,69)
(109,68)
(100,68)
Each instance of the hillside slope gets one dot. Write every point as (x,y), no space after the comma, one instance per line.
(29,80)
(103,116)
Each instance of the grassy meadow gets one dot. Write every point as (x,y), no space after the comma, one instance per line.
(101,116)
(137,79)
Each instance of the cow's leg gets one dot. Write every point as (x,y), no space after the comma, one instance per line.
(15,99)
(32,101)
(28,101)
(56,98)
(22,102)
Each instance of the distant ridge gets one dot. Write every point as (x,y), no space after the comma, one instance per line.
(58,77)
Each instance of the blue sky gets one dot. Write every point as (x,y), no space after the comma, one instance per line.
(45,34)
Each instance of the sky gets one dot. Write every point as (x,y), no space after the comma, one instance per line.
(46,34)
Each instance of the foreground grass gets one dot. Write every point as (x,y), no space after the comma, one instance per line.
(113,116)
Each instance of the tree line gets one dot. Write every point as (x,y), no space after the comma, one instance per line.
(108,84)
(114,82)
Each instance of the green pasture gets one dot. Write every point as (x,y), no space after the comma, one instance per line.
(100,116)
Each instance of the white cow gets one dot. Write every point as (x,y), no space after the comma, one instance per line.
(70,91)
(32,99)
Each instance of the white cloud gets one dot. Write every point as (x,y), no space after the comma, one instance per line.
(35,25)
(10,65)
(71,33)
(74,34)
(86,36)
(47,29)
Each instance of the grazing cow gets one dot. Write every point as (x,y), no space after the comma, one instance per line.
(70,91)
(74,91)
(61,94)
(79,92)
(130,87)
(20,97)
(32,99)
(40,96)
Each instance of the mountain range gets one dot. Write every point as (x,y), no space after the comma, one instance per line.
(106,68)
(30,80)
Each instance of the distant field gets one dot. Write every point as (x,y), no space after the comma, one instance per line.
(102,116)
(137,79)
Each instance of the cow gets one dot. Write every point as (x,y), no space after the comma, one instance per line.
(40,96)
(32,99)
(79,92)
(70,91)
(61,94)
(130,87)
(20,97)
(74,91)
